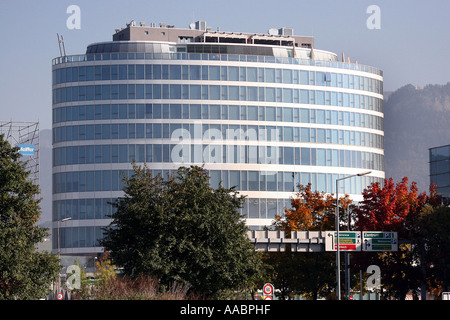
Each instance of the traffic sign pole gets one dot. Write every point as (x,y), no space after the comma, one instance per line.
(338,262)
(338,267)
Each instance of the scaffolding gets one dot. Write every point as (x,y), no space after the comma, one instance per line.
(24,135)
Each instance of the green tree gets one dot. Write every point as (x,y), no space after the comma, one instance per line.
(24,272)
(182,230)
(429,234)
(105,270)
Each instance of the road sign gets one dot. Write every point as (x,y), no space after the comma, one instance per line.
(268,289)
(379,241)
(59,296)
(348,241)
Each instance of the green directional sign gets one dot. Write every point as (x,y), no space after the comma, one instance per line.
(379,241)
(348,241)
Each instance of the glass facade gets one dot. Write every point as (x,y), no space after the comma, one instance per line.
(440,169)
(258,122)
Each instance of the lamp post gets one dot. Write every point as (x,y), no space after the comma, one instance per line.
(59,251)
(338,262)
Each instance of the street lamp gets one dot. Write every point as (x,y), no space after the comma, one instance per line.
(59,251)
(338,262)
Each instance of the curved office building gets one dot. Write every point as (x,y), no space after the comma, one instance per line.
(262,112)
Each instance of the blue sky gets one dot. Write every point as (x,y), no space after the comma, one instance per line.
(412,45)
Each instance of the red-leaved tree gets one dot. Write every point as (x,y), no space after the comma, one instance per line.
(393,207)
(386,208)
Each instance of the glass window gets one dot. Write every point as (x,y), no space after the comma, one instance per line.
(270,75)
(270,94)
(253,208)
(214,73)
(140,133)
(287,76)
(233,93)
(194,72)
(223,73)
(305,156)
(261,74)
(195,111)
(224,114)
(139,71)
(175,111)
(106,72)
(252,113)
(321,157)
(289,181)
(287,95)
(304,77)
(233,112)
(304,96)
(305,135)
(89,73)
(195,92)
(288,134)
(214,92)
(320,96)
(321,136)
(157,71)
(242,74)
(252,93)
(288,155)
(204,72)
(157,131)
(253,180)
(214,112)
(215,179)
(270,113)
(440,153)
(233,73)
(251,74)
(175,91)
(175,72)
(304,115)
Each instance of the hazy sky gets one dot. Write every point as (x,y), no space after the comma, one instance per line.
(411,46)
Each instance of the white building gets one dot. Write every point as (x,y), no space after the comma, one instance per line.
(263,112)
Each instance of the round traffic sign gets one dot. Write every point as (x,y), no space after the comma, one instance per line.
(268,289)
(268,298)
(59,296)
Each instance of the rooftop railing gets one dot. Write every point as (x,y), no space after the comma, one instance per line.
(215,57)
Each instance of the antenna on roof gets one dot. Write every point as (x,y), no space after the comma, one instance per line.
(61,41)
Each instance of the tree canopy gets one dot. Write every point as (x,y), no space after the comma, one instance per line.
(400,207)
(181,229)
(24,272)
(309,274)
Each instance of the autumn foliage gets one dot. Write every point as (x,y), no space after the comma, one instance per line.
(401,208)
(310,211)
(388,208)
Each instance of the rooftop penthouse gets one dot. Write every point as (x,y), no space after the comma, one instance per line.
(199,32)
(280,43)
